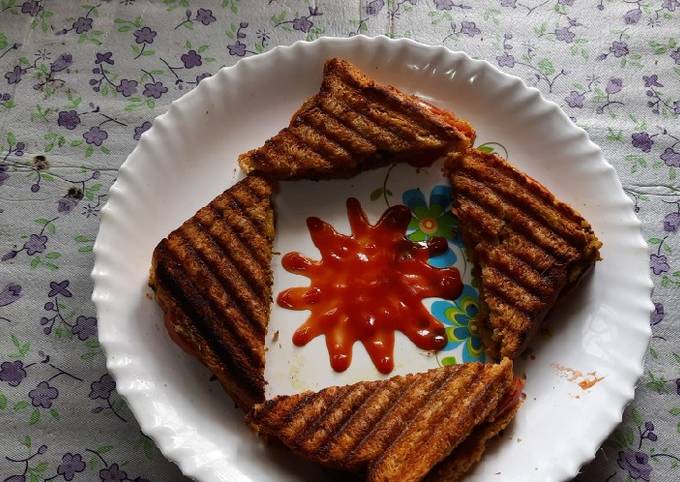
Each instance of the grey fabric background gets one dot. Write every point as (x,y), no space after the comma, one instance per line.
(79,82)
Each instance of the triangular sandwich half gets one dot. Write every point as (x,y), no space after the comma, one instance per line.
(212,278)
(354,123)
(528,248)
(400,428)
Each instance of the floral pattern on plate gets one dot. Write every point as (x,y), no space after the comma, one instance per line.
(436,220)
(461,330)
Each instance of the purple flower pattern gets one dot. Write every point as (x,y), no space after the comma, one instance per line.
(144,35)
(632,16)
(575,99)
(302,23)
(652,80)
(191,59)
(448,5)
(96,136)
(659,264)
(657,315)
(59,289)
(37,243)
(154,90)
(82,25)
(205,16)
(43,395)
(565,34)
(85,327)
(102,388)
(675,55)
(66,204)
(12,372)
(10,294)
(642,141)
(14,76)
(31,7)
(63,62)
(238,49)
(127,87)
(671,157)
(537,59)
(614,86)
(469,29)
(69,119)
(619,48)
(374,7)
(636,464)
(506,60)
(202,76)
(141,129)
(112,474)
(70,465)
(671,222)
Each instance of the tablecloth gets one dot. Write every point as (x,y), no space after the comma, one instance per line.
(81,81)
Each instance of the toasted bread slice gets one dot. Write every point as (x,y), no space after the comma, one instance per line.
(354,124)
(212,278)
(528,248)
(468,453)
(392,430)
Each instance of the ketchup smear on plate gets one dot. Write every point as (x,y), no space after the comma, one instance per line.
(367,286)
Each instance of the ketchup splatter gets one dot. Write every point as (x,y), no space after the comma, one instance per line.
(368,285)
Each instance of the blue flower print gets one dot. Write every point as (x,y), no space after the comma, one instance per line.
(458,318)
(435,220)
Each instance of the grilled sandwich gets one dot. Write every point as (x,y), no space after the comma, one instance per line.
(354,123)
(399,429)
(212,279)
(528,248)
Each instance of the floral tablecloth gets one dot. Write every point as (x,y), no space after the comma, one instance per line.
(80,82)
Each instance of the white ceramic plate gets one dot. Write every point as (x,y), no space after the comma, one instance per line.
(188,157)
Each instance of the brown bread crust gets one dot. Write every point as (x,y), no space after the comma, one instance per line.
(212,279)
(391,430)
(528,248)
(354,124)
(469,453)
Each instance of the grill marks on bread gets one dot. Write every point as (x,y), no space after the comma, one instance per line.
(353,124)
(527,246)
(212,277)
(394,429)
